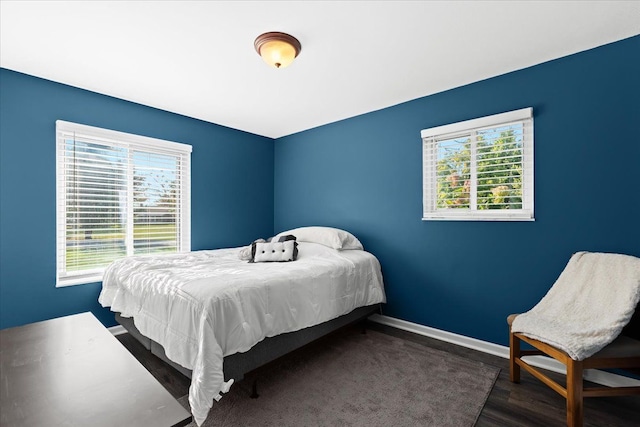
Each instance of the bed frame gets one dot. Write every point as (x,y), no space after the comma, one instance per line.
(237,365)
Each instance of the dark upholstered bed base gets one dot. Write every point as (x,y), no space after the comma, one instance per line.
(237,365)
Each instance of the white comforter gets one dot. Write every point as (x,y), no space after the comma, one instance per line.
(202,306)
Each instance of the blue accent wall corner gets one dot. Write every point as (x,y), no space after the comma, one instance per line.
(363,174)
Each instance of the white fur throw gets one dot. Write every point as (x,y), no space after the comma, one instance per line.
(586,309)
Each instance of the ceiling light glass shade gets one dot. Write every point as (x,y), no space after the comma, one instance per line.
(277,49)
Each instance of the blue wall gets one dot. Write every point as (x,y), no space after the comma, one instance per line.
(232,177)
(364,174)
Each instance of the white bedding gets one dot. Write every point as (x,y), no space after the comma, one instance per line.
(204,305)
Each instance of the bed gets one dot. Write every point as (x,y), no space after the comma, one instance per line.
(216,317)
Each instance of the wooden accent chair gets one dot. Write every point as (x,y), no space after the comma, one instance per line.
(623,352)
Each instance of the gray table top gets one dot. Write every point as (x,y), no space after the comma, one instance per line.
(72,371)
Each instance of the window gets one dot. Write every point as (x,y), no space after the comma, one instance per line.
(480,169)
(117,195)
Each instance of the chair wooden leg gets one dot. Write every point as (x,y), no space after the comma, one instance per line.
(574,394)
(514,352)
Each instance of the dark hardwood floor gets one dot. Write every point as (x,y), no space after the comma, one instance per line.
(529,403)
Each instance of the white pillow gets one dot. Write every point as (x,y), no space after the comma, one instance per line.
(327,236)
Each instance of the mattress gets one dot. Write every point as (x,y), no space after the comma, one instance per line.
(204,305)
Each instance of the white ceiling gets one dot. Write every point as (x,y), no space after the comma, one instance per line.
(196,58)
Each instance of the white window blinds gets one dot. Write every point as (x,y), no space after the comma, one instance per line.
(480,169)
(118,194)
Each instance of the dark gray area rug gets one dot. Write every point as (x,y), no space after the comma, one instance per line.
(355,379)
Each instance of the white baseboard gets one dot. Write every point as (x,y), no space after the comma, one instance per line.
(596,376)
(117,330)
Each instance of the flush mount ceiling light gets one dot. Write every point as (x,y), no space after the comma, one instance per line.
(277,49)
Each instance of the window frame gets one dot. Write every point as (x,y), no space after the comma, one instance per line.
(430,138)
(132,143)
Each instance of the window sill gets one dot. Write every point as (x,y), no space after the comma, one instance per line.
(467,216)
(85,279)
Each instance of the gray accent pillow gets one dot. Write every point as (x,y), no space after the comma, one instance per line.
(283,250)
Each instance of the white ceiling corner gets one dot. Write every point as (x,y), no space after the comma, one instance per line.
(196,58)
